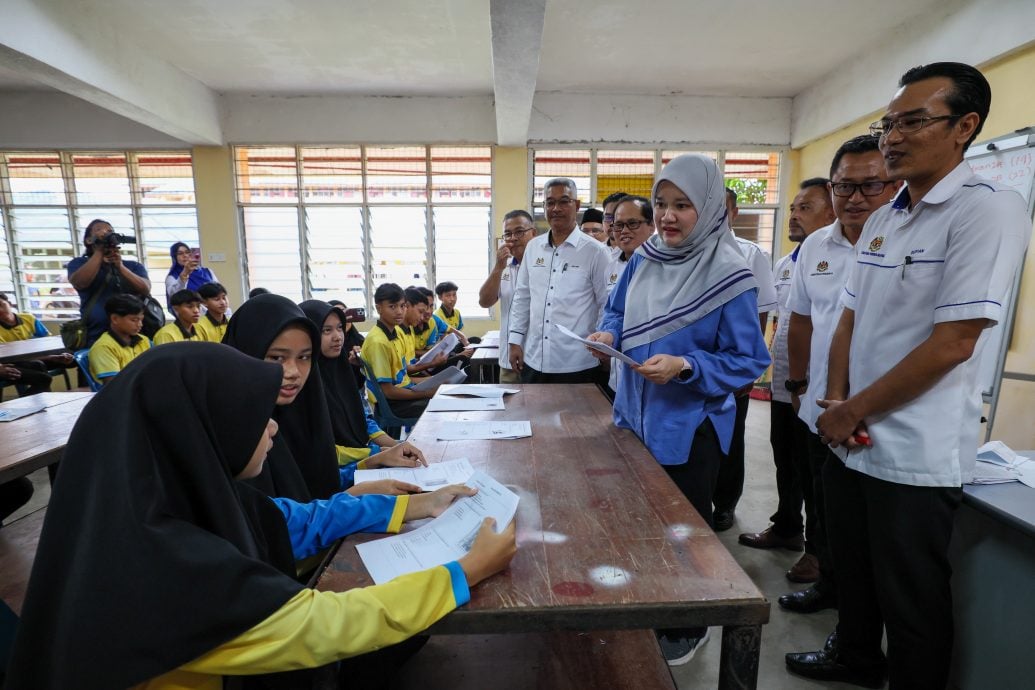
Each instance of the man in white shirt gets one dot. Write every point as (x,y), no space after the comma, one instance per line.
(903,402)
(810,211)
(518,229)
(730,483)
(562,282)
(859,185)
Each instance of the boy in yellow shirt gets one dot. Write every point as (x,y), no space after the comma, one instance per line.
(186,305)
(212,326)
(122,342)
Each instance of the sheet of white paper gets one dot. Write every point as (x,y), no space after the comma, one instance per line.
(450,375)
(444,346)
(988,473)
(599,347)
(429,478)
(1026,473)
(16,409)
(444,539)
(484,345)
(483,431)
(448,403)
(478,390)
(998,453)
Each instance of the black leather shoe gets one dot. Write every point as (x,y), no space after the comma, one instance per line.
(808,600)
(723,520)
(823,666)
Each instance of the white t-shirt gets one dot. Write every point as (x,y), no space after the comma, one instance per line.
(825,258)
(762,266)
(783,272)
(952,257)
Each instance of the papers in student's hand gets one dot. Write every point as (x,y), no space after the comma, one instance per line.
(16,409)
(450,375)
(447,403)
(444,539)
(444,346)
(599,347)
(427,478)
(483,431)
(477,390)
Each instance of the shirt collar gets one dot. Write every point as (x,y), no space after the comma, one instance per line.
(836,233)
(391,333)
(941,192)
(574,238)
(187,333)
(213,321)
(121,341)
(17,322)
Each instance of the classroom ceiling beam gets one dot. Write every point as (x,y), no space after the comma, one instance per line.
(517,39)
(82,56)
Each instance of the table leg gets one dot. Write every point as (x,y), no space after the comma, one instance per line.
(738,660)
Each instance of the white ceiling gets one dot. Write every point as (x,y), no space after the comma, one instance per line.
(14,80)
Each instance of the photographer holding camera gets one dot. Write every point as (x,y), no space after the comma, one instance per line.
(101,273)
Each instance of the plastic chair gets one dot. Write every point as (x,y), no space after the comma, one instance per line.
(82,359)
(383,415)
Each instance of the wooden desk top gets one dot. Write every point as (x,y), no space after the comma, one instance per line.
(31,348)
(37,440)
(605,540)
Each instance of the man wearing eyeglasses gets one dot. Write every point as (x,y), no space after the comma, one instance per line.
(518,229)
(903,404)
(859,185)
(562,282)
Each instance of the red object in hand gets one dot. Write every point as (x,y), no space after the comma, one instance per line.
(862,440)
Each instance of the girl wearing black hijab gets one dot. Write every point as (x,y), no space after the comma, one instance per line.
(156,569)
(360,443)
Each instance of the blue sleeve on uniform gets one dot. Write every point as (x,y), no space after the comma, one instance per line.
(40,331)
(461,592)
(459,322)
(347,475)
(372,427)
(741,355)
(316,525)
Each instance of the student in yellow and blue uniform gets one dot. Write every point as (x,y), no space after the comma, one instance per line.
(122,342)
(186,305)
(212,558)
(447,311)
(30,375)
(211,327)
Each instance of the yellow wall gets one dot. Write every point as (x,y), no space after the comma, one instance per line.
(1012,108)
(217,217)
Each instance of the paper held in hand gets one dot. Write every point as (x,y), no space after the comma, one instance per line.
(600,347)
(444,346)
(450,375)
(444,539)
(429,478)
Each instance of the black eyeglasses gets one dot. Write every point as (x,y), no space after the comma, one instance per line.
(872,188)
(513,234)
(907,124)
(633,225)
(564,201)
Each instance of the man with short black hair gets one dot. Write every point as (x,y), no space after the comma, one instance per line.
(212,325)
(186,305)
(903,402)
(122,342)
(562,282)
(609,205)
(593,224)
(31,375)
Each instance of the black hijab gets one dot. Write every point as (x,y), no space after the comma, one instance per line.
(302,465)
(151,553)
(348,419)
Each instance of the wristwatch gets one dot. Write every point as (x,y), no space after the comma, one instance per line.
(796,386)
(686,372)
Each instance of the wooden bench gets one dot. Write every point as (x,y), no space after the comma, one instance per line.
(559,660)
(18,541)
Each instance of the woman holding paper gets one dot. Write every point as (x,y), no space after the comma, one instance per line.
(159,522)
(685,307)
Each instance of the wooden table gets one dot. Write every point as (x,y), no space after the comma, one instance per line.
(485,361)
(32,348)
(38,440)
(606,540)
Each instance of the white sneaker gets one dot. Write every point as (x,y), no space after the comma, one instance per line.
(680,650)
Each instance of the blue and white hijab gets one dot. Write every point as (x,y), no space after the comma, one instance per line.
(676,286)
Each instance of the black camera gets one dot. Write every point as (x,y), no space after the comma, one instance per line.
(112,240)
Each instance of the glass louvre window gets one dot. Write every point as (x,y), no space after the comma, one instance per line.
(364,214)
(631,172)
(6,269)
(48,198)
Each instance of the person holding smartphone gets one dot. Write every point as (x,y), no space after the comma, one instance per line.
(186,272)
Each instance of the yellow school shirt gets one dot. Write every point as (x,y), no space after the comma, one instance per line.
(25,327)
(108,356)
(455,321)
(209,330)
(174,333)
(409,339)
(385,352)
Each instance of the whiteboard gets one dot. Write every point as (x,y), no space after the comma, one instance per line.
(1008,161)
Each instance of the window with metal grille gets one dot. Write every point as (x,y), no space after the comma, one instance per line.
(754,176)
(336,222)
(47,198)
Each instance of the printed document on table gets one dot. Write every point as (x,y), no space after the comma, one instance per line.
(446,403)
(444,539)
(428,478)
(600,347)
(477,389)
(444,346)
(450,375)
(23,407)
(483,431)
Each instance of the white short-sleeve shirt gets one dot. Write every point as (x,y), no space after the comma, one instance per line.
(825,258)
(783,273)
(508,278)
(761,266)
(952,257)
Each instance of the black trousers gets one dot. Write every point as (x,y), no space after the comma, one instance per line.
(34,377)
(818,456)
(730,484)
(596,375)
(890,547)
(696,479)
(13,495)
(787,436)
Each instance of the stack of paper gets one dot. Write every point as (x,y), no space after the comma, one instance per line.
(450,375)
(444,346)
(428,478)
(480,390)
(483,431)
(448,403)
(998,464)
(444,539)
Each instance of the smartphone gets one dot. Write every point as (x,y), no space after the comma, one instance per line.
(355,315)
(195,254)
